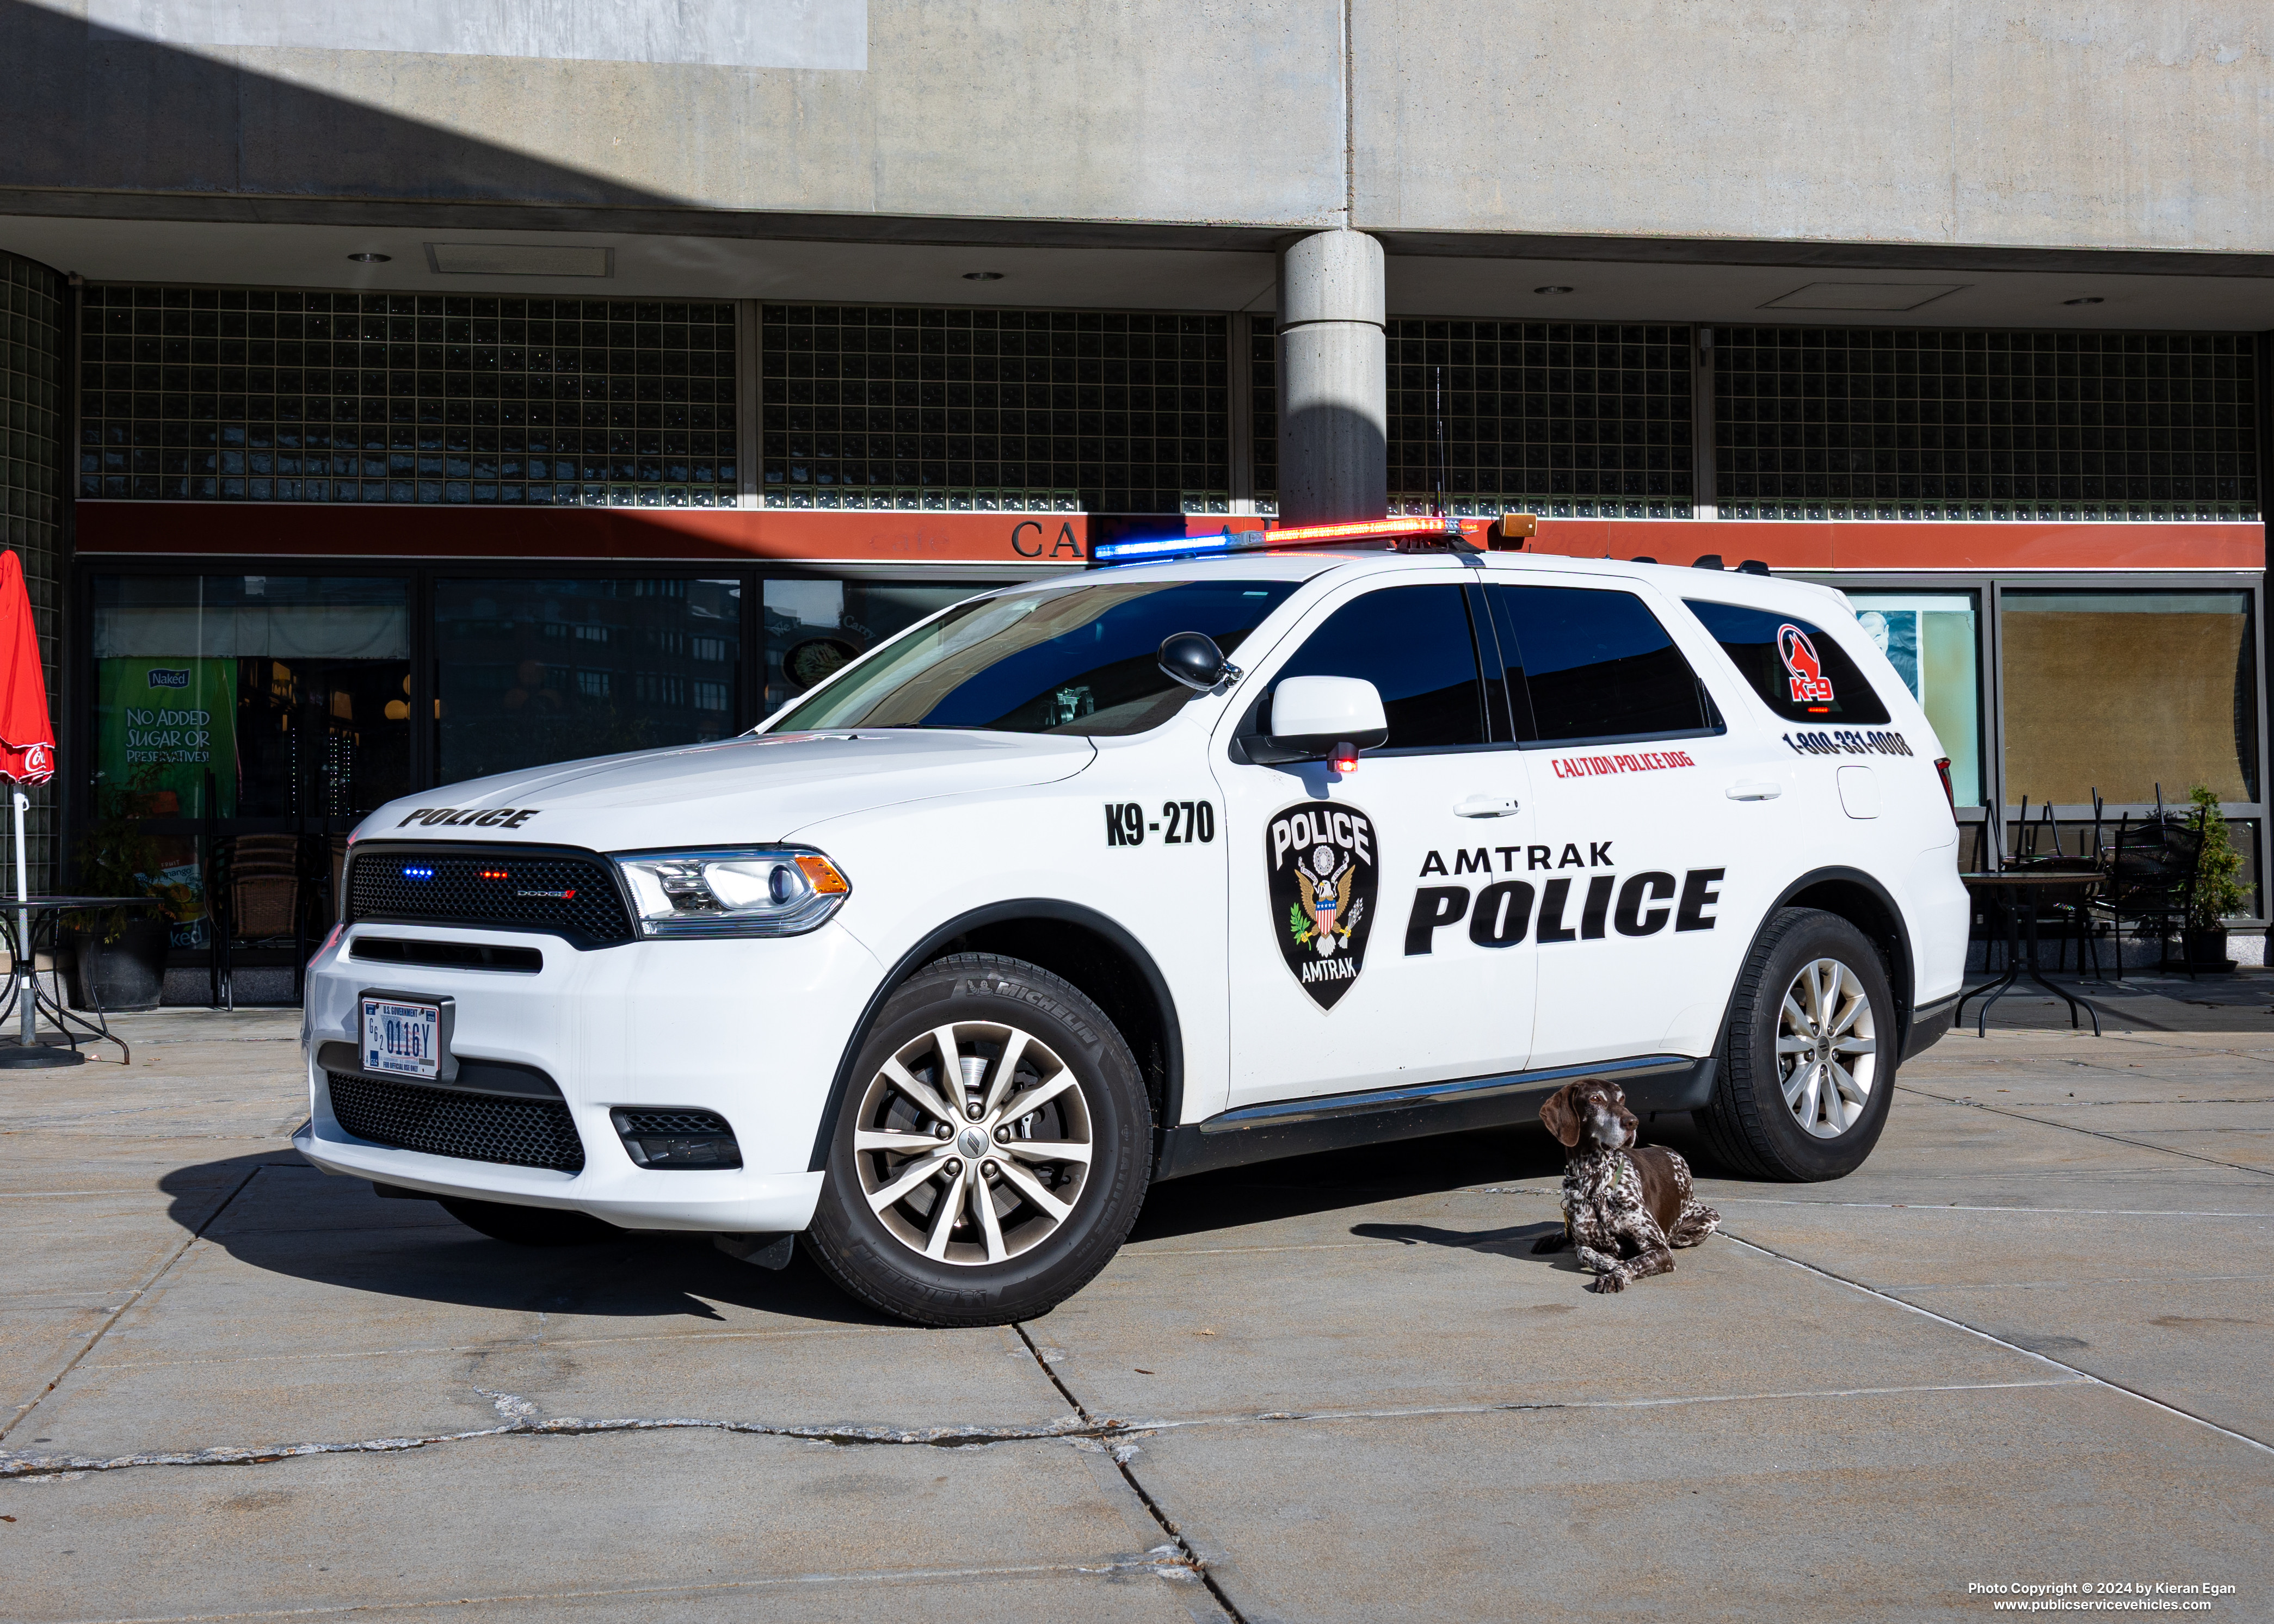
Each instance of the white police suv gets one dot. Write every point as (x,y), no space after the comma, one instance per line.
(1229,854)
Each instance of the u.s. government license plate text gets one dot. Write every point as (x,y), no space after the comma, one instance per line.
(402,1039)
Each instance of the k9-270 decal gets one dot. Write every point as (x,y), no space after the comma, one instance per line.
(1323,871)
(1181,823)
(1846,742)
(1499,912)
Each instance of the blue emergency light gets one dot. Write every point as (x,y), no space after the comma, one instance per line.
(1392,531)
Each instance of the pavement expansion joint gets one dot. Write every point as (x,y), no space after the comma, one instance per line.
(2115,1139)
(519,1419)
(1190,1560)
(1971,1330)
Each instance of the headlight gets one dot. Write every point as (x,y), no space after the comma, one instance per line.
(768,892)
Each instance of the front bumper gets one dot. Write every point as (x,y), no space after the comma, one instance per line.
(751,1029)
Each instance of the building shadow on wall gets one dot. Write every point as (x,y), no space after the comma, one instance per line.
(193,135)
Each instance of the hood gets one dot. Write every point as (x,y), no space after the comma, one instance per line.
(732,792)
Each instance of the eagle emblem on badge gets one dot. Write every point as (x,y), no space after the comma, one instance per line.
(1321,867)
(1324,916)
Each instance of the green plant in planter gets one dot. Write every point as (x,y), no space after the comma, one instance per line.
(118,856)
(2219,887)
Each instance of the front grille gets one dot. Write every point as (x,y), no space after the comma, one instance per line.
(498,886)
(445,1121)
(669,1123)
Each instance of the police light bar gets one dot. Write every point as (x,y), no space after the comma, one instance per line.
(1266,541)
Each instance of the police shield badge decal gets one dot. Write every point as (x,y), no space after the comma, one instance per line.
(1321,862)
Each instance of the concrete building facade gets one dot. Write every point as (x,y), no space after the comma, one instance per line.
(440,386)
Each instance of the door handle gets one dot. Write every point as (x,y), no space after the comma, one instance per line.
(1758,790)
(1485,806)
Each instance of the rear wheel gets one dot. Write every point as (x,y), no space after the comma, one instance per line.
(1808,1062)
(529,1226)
(992,1150)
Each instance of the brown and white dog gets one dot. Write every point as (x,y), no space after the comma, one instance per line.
(1624,1205)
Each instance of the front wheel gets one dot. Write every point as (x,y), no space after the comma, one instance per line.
(1808,1061)
(991,1152)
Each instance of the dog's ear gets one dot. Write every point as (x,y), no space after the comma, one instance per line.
(1562,1119)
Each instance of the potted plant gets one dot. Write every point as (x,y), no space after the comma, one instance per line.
(2217,890)
(120,953)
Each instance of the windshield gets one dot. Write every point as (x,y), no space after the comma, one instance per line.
(1080,659)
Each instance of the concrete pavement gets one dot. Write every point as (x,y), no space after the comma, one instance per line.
(2026,1342)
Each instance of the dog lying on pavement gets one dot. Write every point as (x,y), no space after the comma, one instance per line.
(1624,1205)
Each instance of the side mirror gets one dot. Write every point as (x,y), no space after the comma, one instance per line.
(1310,716)
(1193,659)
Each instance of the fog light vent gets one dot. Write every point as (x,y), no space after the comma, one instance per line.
(670,1138)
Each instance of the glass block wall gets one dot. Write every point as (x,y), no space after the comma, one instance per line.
(1568,419)
(33,381)
(987,411)
(1263,394)
(1855,423)
(233,396)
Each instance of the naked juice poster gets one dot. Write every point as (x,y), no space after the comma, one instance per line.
(174,720)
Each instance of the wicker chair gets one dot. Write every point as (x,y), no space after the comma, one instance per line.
(264,887)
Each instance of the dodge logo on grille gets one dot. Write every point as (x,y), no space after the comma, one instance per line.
(550,896)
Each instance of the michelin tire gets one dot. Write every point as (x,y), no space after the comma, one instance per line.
(996,1197)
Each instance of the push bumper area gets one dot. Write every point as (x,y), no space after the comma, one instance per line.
(748,1031)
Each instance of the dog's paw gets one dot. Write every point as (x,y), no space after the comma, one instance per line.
(1596,1263)
(1557,1242)
(1607,1282)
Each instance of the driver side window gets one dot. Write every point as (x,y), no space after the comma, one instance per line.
(1415,644)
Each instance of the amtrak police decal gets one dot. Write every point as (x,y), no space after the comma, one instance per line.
(1322,865)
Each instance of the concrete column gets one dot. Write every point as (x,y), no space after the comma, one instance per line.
(1333,386)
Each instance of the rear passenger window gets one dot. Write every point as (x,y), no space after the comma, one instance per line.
(1413,643)
(1794,665)
(1597,666)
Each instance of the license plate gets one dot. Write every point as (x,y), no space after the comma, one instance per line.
(402,1039)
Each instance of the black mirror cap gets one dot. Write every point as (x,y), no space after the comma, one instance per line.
(1193,660)
(1272,750)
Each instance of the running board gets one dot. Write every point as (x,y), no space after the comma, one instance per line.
(1279,1128)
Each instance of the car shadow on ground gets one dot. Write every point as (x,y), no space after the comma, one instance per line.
(415,1250)
(1303,1185)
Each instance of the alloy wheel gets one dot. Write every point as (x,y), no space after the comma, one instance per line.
(973,1142)
(1826,1047)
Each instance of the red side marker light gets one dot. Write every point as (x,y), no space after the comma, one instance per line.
(1344,759)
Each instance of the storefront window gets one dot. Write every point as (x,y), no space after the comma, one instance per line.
(2121,692)
(288,694)
(251,700)
(815,627)
(535,671)
(1930,638)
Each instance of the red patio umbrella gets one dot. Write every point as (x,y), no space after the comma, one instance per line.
(27,737)
(28,746)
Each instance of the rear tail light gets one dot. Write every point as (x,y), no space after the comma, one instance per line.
(1942,771)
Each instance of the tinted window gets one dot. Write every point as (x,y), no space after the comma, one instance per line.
(1412,643)
(1076,659)
(1597,665)
(1796,667)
